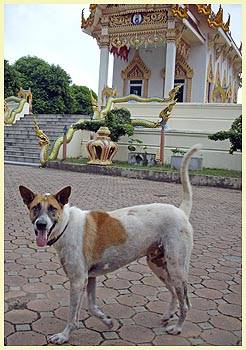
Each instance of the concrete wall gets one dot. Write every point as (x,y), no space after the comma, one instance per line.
(189,124)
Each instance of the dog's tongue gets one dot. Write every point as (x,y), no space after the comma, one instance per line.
(41,239)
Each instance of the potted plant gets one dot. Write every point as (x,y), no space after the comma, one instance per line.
(138,154)
(177,157)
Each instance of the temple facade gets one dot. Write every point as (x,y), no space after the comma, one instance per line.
(156,47)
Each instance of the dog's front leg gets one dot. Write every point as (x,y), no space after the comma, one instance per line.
(94,309)
(77,290)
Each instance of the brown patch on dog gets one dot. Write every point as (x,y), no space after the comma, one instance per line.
(101,231)
(155,254)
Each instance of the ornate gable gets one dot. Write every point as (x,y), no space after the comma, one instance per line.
(136,69)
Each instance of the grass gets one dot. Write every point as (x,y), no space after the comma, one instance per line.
(166,167)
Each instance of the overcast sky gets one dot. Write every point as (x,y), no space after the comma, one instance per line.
(52,32)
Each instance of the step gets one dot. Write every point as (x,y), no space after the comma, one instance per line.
(22,159)
(21,163)
(18,153)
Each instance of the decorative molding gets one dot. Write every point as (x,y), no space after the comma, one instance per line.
(210,74)
(136,70)
(219,92)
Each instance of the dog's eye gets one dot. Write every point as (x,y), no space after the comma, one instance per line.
(36,208)
(51,208)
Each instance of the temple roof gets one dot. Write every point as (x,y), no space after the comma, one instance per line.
(190,15)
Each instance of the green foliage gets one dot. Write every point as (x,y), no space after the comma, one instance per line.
(234,134)
(177,151)
(138,145)
(11,80)
(118,121)
(81,100)
(50,86)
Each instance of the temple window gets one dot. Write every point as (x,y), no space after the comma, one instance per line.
(180,95)
(136,87)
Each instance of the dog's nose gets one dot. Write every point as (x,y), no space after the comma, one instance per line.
(41,224)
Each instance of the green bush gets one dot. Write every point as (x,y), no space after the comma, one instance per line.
(234,134)
(118,121)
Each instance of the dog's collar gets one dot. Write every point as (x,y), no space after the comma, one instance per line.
(52,241)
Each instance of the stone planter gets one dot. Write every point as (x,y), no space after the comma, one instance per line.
(195,162)
(138,158)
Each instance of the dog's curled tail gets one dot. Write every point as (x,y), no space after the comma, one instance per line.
(186,203)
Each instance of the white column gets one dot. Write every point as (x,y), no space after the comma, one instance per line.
(103,72)
(170,67)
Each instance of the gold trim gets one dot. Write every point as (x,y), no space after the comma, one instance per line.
(219,90)
(130,73)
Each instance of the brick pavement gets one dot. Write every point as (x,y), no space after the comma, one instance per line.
(36,289)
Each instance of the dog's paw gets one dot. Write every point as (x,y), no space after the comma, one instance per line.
(58,338)
(174,329)
(108,321)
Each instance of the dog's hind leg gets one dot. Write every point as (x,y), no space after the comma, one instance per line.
(157,264)
(178,279)
(93,308)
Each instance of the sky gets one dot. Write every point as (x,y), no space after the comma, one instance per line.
(52,32)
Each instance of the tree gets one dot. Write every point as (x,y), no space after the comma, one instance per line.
(11,80)
(234,134)
(81,100)
(49,85)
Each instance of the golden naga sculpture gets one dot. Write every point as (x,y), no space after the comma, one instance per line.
(102,149)
(181,12)
(26,94)
(99,115)
(108,92)
(216,20)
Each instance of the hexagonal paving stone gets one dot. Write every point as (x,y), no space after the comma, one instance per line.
(32,272)
(202,303)
(208,293)
(63,312)
(106,293)
(215,284)
(136,334)
(36,287)
(26,338)
(226,322)
(48,325)
(147,319)
(230,309)
(157,306)
(48,266)
(53,279)
(132,300)
(119,342)
(97,325)
(152,281)
(8,329)
(118,311)
(42,305)
(233,298)
(219,337)
(143,290)
(85,337)
(167,339)
(196,316)
(59,294)
(117,283)
(129,275)
(21,316)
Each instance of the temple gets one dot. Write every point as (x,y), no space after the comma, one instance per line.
(156,47)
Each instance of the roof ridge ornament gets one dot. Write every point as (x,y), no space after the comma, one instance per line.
(180,11)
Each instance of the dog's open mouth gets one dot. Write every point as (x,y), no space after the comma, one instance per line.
(41,238)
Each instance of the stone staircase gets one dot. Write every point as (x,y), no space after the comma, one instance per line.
(20,143)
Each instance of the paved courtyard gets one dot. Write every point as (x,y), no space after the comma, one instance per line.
(36,289)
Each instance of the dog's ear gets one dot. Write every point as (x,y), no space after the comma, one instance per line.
(63,195)
(27,195)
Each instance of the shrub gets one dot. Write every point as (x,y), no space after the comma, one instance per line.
(234,134)
(118,121)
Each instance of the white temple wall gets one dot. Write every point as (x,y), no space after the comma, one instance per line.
(154,59)
(198,62)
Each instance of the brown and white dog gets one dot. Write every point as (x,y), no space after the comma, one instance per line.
(93,243)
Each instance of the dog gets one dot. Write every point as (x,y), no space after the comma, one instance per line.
(94,243)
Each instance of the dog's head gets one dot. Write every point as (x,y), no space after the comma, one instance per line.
(45,211)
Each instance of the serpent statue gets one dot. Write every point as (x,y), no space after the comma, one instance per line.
(99,116)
